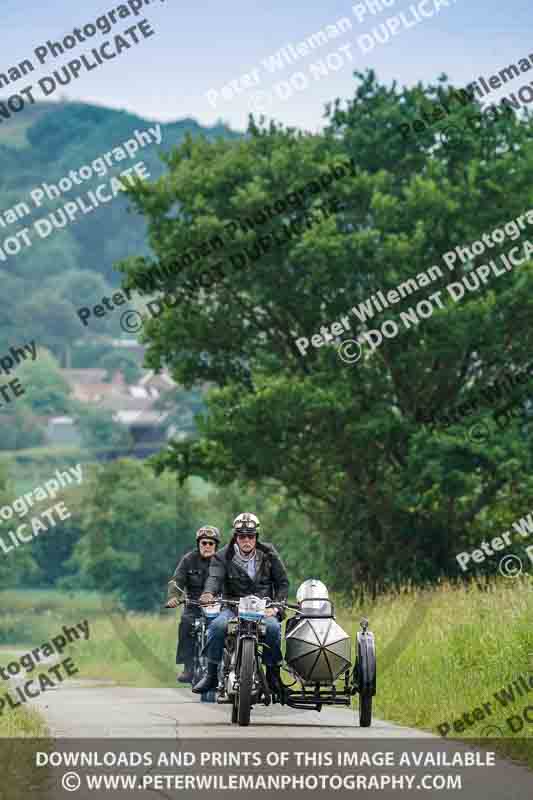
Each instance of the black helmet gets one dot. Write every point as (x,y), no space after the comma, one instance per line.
(208,532)
(246,523)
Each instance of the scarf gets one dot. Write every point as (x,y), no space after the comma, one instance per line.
(247,563)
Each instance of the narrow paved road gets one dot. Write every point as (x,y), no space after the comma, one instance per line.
(90,709)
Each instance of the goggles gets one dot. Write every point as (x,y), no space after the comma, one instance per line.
(245,525)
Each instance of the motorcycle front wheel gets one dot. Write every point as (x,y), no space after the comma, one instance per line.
(246,681)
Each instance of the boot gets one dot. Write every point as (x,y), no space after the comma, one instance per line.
(273,676)
(186,676)
(210,681)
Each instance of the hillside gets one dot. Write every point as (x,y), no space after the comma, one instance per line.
(44,145)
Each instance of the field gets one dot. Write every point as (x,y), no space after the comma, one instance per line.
(440,653)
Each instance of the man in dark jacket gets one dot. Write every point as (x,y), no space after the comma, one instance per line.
(190,575)
(245,566)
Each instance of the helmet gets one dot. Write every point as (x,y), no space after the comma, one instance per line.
(247,523)
(311,589)
(208,532)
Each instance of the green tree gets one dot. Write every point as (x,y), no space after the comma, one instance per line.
(52,321)
(17,565)
(80,287)
(396,500)
(52,552)
(46,391)
(99,431)
(20,429)
(136,527)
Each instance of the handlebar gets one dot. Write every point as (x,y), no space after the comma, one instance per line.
(232,602)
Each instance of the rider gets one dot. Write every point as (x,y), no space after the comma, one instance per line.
(190,575)
(245,566)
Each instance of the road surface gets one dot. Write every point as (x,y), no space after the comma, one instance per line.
(92,709)
(85,716)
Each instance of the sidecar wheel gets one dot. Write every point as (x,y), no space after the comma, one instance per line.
(364,674)
(365,709)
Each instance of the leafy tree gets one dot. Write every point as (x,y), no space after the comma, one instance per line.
(396,500)
(99,431)
(52,322)
(46,391)
(80,287)
(20,429)
(134,553)
(52,552)
(17,565)
(182,407)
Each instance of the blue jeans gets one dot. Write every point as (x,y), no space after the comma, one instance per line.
(217,631)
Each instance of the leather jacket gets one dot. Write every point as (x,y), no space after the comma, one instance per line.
(190,574)
(230,579)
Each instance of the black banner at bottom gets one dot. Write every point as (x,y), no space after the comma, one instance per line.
(224,768)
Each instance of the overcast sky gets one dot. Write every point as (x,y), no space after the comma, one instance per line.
(202,46)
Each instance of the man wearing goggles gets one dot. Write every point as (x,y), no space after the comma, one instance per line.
(245,566)
(190,575)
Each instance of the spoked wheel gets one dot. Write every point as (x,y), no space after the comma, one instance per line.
(365,675)
(365,709)
(246,681)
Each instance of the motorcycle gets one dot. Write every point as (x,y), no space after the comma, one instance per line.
(199,632)
(317,654)
(243,682)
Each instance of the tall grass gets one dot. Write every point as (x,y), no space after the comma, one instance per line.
(465,644)
(440,653)
(35,615)
(22,722)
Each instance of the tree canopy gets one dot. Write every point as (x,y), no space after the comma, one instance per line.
(345,442)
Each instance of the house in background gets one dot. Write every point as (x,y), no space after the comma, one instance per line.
(132,405)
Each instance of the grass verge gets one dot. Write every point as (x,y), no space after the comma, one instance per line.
(440,654)
(463,647)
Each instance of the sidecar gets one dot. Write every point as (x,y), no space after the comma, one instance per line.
(318,656)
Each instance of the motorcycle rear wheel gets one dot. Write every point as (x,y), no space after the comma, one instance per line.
(246,679)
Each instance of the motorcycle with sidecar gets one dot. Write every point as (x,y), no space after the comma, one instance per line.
(317,657)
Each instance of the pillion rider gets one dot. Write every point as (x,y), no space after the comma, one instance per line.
(245,566)
(190,575)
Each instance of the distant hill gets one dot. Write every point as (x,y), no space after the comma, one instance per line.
(42,144)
